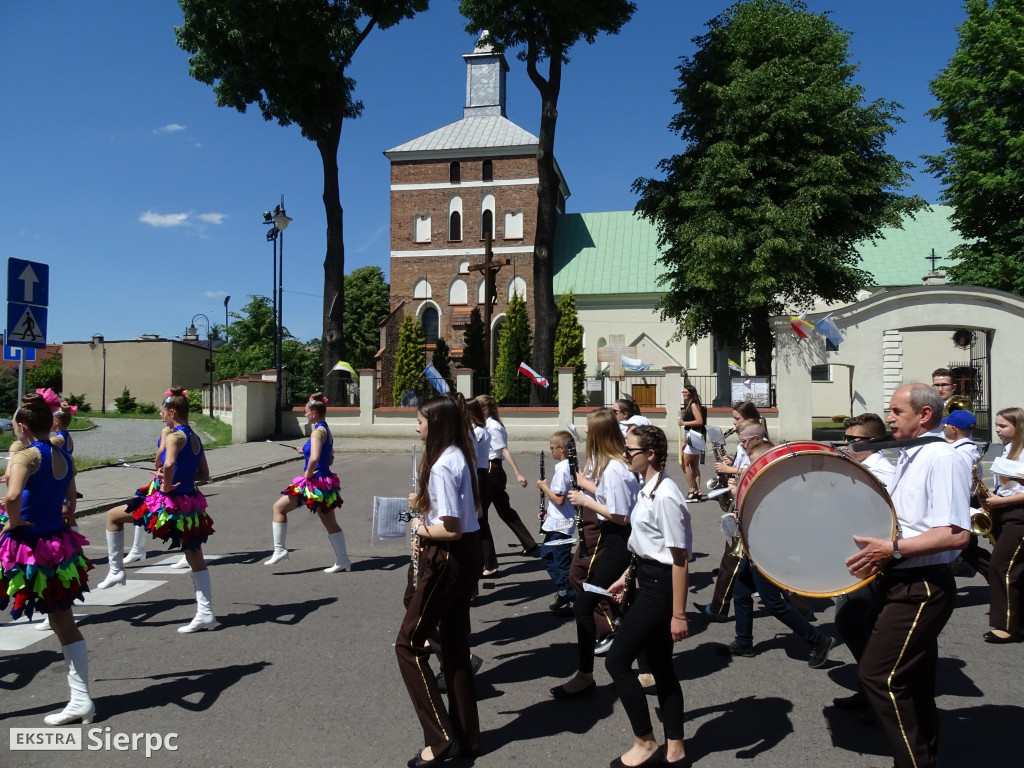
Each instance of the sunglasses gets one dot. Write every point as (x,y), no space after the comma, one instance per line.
(631,452)
(855,438)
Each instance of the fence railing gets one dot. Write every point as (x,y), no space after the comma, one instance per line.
(515,391)
(743,388)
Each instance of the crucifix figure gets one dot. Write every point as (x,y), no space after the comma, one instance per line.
(489,268)
(612,354)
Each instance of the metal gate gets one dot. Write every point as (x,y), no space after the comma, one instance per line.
(972,378)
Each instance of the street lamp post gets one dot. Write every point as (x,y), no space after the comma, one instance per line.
(227,323)
(209,344)
(279,221)
(97,338)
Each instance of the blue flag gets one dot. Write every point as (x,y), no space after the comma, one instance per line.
(827,328)
(436,380)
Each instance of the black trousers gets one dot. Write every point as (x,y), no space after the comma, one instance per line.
(498,496)
(608,560)
(898,663)
(645,630)
(440,603)
(1006,571)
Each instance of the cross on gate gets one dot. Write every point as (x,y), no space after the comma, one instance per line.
(612,354)
(933,258)
(489,268)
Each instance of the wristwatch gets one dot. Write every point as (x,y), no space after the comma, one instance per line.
(896,554)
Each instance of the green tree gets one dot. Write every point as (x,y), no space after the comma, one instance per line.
(8,392)
(367,302)
(515,346)
(303,369)
(545,31)
(784,172)
(982,170)
(474,356)
(47,373)
(290,58)
(250,344)
(442,360)
(125,403)
(569,347)
(410,361)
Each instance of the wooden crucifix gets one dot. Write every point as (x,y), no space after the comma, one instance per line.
(489,268)
(612,354)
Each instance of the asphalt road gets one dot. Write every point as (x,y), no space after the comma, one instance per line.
(302,673)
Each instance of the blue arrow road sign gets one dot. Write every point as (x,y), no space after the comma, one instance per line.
(26,325)
(15,353)
(28,282)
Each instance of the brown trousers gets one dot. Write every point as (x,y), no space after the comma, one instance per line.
(440,604)
(897,668)
(1006,571)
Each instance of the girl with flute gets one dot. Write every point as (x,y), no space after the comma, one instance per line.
(659,542)
(449,564)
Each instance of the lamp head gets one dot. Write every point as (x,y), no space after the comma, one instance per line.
(268,217)
(191,331)
(281,219)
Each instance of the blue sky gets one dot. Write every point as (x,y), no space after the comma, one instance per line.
(146,199)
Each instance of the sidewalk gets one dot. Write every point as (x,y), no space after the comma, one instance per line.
(106,487)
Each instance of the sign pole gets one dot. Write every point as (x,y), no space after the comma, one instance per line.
(21,376)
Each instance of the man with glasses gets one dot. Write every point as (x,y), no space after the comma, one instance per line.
(942,380)
(868,426)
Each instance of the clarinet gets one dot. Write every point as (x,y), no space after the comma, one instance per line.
(406,516)
(574,468)
(541,513)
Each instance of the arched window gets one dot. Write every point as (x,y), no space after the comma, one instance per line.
(487,217)
(454,172)
(421,290)
(457,293)
(487,172)
(464,267)
(480,291)
(430,322)
(517,286)
(455,218)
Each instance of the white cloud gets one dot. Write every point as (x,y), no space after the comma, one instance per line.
(214,294)
(170,128)
(163,219)
(212,218)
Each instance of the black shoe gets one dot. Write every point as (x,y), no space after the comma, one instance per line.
(855,702)
(992,637)
(531,551)
(707,613)
(601,646)
(475,662)
(561,602)
(452,750)
(819,653)
(560,692)
(735,649)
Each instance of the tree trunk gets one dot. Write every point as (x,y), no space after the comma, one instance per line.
(545,312)
(334,268)
(764,342)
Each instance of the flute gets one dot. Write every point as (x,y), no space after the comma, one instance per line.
(541,510)
(406,516)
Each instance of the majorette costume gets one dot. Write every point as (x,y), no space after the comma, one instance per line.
(320,493)
(179,516)
(42,566)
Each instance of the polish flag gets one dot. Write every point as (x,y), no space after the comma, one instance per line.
(533,375)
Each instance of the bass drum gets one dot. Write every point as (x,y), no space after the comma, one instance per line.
(800,505)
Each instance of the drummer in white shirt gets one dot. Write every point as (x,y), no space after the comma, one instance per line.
(915,587)
(869,426)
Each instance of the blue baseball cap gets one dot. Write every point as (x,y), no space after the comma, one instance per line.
(960,419)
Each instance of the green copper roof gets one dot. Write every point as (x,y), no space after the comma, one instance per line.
(616,252)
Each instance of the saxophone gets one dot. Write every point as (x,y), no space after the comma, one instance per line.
(718,448)
(981,520)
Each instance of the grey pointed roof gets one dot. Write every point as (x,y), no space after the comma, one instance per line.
(470,133)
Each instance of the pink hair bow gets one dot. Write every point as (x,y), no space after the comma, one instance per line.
(72,408)
(322,400)
(168,393)
(50,397)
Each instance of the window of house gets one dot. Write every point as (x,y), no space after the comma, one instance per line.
(517,286)
(457,293)
(821,373)
(455,226)
(487,172)
(487,225)
(423,229)
(455,172)
(464,267)
(430,322)
(421,290)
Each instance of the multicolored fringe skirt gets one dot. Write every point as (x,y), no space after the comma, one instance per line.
(176,517)
(42,571)
(319,494)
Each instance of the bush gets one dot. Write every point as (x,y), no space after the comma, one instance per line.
(838,419)
(146,409)
(195,401)
(125,403)
(79,400)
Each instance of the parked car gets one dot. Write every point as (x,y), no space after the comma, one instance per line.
(6,425)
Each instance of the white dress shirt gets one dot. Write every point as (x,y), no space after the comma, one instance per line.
(660,521)
(499,438)
(880,467)
(450,488)
(560,518)
(617,489)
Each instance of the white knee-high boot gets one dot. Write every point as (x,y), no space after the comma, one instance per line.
(204,604)
(115,557)
(280,551)
(341,561)
(181,564)
(76,663)
(138,551)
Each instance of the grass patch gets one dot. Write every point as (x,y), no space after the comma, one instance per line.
(829,424)
(6,439)
(217,429)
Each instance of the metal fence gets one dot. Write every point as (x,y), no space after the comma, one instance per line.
(515,391)
(707,389)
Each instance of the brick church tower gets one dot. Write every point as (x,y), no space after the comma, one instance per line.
(449,187)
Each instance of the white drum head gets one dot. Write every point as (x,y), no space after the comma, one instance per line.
(800,514)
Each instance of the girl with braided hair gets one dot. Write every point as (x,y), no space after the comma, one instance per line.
(316,489)
(659,543)
(42,566)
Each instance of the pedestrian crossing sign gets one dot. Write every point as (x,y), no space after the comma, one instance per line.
(26,325)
